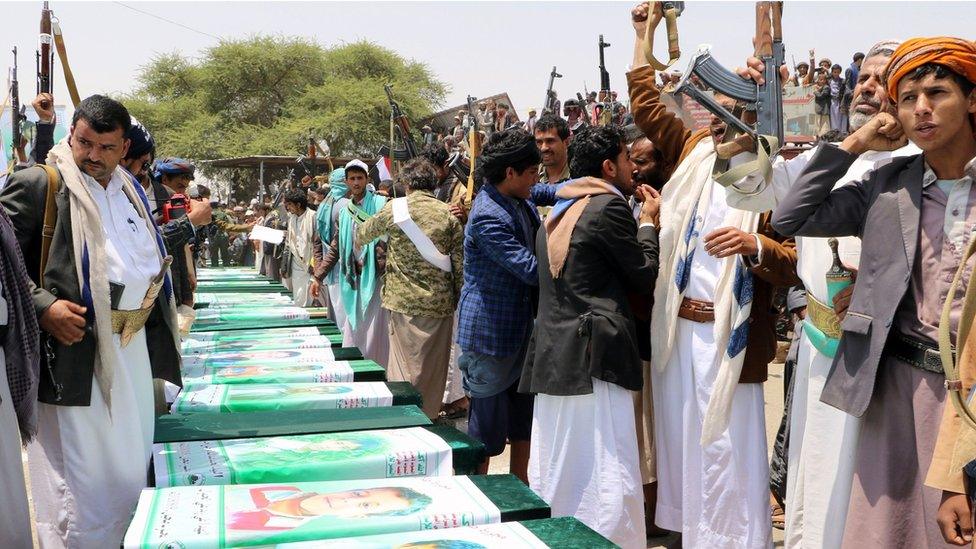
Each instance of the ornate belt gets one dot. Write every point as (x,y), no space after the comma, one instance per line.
(823,317)
(128,323)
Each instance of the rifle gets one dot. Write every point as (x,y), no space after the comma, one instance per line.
(549,105)
(604,82)
(402,125)
(311,156)
(17,116)
(474,144)
(766,100)
(45,55)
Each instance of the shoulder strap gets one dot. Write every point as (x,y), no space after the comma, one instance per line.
(949,355)
(423,243)
(50,217)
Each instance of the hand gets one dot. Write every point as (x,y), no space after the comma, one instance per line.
(639,17)
(754,71)
(65,321)
(313,289)
(955,519)
(651,204)
(812,55)
(881,133)
(730,241)
(306,181)
(201,213)
(44,106)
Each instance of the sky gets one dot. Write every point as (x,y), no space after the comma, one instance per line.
(477,48)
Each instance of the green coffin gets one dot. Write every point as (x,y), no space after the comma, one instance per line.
(530,534)
(566,532)
(206,300)
(280,397)
(265,514)
(361,370)
(219,426)
(270,323)
(268,339)
(241,287)
(349,455)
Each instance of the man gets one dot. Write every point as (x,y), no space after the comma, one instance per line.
(107,325)
(360,268)
(887,368)
(822,439)
(327,223)
(838,90)
(457,131)
(803,76)
(713,333)
(298,241)
(575,117)
(851,74)
(498,297)
(448,188)
(552,137)
(423,281)
(530,123)
(648,162)
(219,228)
(427,136)
(583,362)
(172,176)
(20,353)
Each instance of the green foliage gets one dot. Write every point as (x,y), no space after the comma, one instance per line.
(265,95)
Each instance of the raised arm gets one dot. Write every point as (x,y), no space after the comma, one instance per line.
(813,208)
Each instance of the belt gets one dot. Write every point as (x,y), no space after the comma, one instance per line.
(918,354)
(127,323)
(823,317)
(696,311)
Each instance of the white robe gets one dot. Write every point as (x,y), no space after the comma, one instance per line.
(15,521)
(583,461)
(300,233)
(87,466)
(718,495)
(372,335)
(820,460)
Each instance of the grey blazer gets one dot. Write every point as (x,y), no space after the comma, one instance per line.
(878,209)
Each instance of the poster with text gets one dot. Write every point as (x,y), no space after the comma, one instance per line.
(253,340)
(271,372)
(282,396)
(260,514)
(269,356)
(386,453)
(251,314)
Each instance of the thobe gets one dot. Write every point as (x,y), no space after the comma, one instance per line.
(300,232)
(822,438)
(717,495)
(901,424)
(88,463)
(15,521)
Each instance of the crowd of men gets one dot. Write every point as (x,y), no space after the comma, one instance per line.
(618,343)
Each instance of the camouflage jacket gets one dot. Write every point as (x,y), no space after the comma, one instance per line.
(222,224)
(413,286)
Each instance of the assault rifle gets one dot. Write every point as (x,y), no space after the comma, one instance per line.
(766,100)
(45,54)
(604,96)
(17,116)
(402,126)
(549,105)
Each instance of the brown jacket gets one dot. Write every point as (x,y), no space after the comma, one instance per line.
(778,266)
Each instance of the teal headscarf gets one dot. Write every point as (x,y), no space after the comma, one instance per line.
(357,292)
(337,190)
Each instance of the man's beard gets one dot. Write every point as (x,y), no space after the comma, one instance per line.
(858,119)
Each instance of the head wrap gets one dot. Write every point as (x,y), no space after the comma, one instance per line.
(323,217)
(172,166)
(956,54)
(140,141)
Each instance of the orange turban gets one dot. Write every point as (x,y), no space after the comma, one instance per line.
(954,53)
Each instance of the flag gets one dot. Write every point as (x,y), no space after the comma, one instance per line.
(383,166)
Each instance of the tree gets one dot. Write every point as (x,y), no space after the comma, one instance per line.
(265,95)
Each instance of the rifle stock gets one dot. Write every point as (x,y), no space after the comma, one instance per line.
(17,116)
